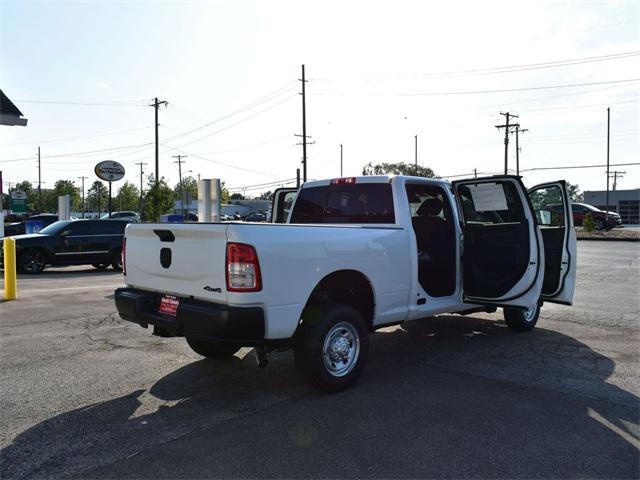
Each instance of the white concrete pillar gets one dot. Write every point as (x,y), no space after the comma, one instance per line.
(209,200)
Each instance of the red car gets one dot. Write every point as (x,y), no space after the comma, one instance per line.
(599,216)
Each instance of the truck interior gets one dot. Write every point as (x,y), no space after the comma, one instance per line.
(432,220)
(496,241)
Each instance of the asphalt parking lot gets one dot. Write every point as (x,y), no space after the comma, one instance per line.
(86,395)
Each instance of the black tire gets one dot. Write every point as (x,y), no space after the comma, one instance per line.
(100,266)
(211,349)
(116,260)
(323,327)
(32,261)
(521,320)
(599,224)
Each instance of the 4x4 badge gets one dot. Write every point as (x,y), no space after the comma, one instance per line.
(215,290)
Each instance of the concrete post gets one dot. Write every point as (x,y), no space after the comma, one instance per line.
(64,207)
(209,200)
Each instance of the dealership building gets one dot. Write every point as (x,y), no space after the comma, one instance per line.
(625,202)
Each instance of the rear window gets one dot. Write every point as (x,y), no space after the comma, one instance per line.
(345,203)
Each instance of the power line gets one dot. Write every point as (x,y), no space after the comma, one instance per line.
(75,154)
(234,124)
(78,138)
(265,98)
(96,104)
(501,69)
(217,162)
(501,90)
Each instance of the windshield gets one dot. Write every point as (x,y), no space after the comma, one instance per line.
(55,227)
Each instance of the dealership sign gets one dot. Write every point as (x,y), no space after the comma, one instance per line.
(109,171)
(18,202)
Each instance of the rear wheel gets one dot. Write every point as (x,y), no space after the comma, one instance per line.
(116,260)
(521,320)
(331,346)
(212,349)
(600,224)
(31,261)
(100,266)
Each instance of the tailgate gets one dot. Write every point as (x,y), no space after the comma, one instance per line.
(185,259)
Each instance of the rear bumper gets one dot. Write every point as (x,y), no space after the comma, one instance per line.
(194,318)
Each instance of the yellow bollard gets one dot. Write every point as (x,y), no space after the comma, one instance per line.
(10,281)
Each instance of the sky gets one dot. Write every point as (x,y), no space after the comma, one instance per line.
(379,73)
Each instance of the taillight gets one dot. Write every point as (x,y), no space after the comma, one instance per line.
(124,256)
(340,181)
(243,268)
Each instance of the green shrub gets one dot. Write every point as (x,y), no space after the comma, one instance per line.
(588,223)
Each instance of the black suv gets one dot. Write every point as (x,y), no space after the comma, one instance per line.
(72,242)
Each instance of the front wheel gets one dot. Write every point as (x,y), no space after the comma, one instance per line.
(521,320)
(212,349)
(331,347)
(100,266)
(31,261)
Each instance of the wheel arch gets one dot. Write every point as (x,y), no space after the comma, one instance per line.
(349,287)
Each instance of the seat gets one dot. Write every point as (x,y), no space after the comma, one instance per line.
(436,268)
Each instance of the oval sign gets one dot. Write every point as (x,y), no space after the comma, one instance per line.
(109,170)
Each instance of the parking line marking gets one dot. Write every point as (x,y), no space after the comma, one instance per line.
(68,288)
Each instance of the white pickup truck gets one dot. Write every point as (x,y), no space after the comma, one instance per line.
(347,256)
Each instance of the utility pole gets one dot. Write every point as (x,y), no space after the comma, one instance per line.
(180,162)
(297,178)
(340,160)
(616,175)
(606,210)
(155,105)
(141,176)
(83,207)
(518,130)
(416,152)
(304,128)
(39,183)
(475,173)
(508,116)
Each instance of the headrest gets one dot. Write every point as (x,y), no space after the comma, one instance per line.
(431,207)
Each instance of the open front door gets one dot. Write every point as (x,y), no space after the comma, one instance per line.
(553,211)
(282,201)
(502,256)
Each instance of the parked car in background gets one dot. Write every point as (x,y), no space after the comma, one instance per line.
(126,215)
(19,228)
(599,216)
(72,242)
(255,217)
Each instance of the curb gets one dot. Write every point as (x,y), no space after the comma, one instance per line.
(596,239)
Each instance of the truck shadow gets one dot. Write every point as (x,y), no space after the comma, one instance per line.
(442,397)
(69,272)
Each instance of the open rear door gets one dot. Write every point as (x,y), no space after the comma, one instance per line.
(553,211)
(502,256)
(282,201)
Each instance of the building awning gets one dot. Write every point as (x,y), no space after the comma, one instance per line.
(10,114)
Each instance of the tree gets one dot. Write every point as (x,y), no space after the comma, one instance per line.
(65,187)
(97,196)
(190,186)
(268,195)
(158,200)
(128,197)
(236,196)
(400,168)
(32,195)
(574,192)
